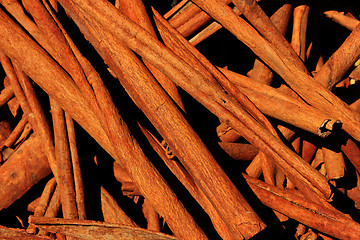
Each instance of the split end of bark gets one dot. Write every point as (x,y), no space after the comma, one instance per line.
(328,126)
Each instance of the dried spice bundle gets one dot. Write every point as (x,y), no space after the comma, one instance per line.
(201,119)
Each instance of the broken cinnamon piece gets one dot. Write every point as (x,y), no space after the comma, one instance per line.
(227,133)
(75,163)
(22,170)
(334,163)
(11,233)
(136,11)
(151,216)
(16,132)
(308,150)
(62,153)
(6,94)
(298,39)
(346,21)
(176,9)
(306,212)
(340,61)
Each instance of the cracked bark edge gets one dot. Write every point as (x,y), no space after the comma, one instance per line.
(328,126)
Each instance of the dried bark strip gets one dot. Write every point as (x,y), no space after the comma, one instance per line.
(6,95)
(86,229)
(43,202)
(298,38)
(348,22)
(188,12)
(205,33)
(191,19)
(45,197)
(340,61)
(62,154)
(78,182)
(52,209)
(11,233)
(306,212)
(22,170)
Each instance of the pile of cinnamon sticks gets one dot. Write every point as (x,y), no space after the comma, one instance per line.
(123,119)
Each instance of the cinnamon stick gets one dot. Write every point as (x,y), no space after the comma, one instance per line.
(260,72)
(340,61)
(334,163)
(298,39)
(16,132)
(6,94)
(346,21)
(306,212)
(43,202)
(271,101)
(11,233)
(62,154)
(86,229)
(151,216)
(22,170)
(75,162)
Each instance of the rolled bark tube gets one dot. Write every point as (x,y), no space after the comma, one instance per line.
(306,212)
(23,169)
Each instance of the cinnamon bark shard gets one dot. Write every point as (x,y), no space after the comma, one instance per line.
(87,229)
(328,126)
